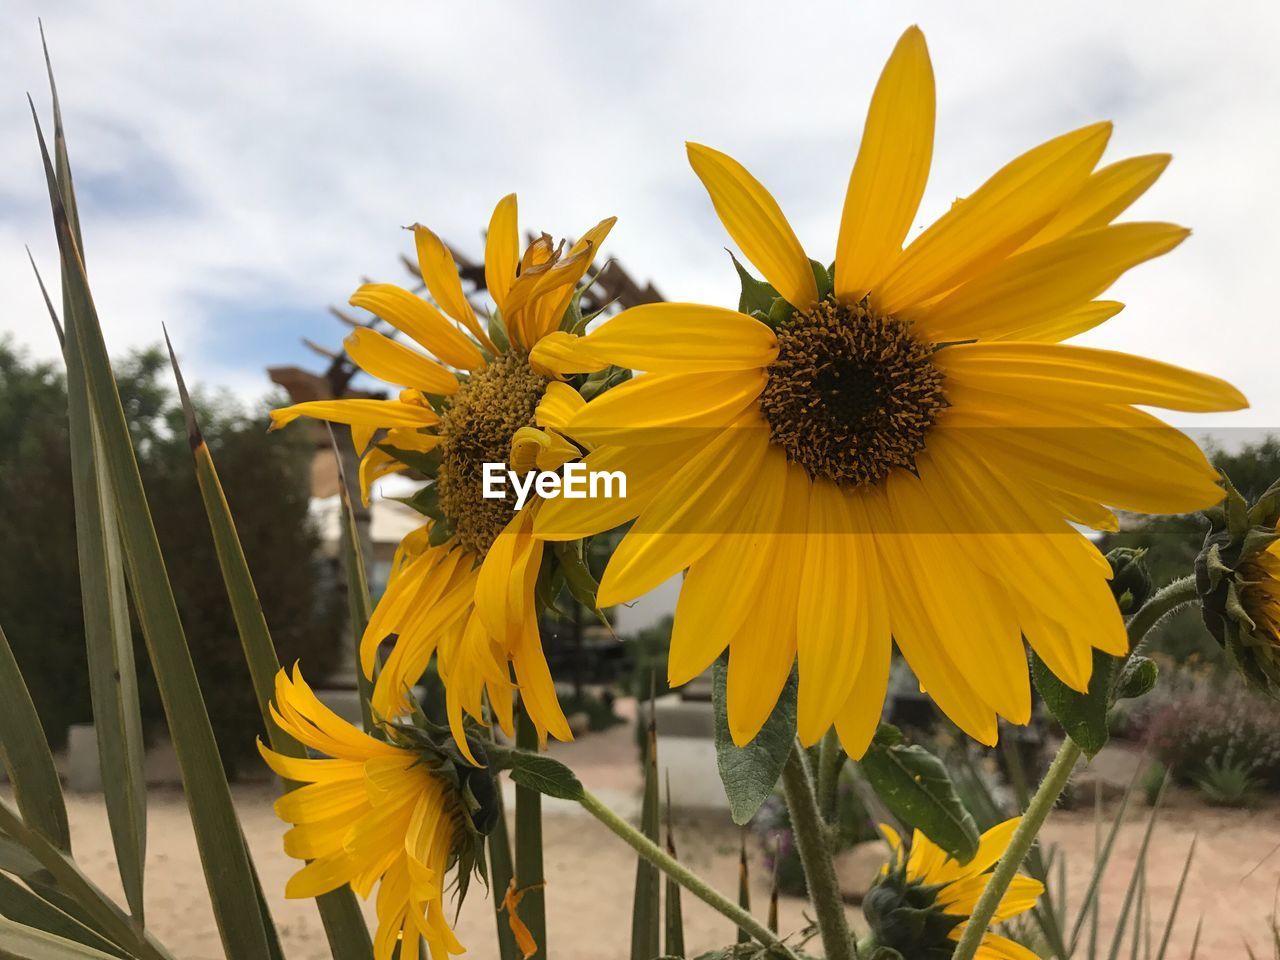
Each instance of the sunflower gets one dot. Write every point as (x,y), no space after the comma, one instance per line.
(375,812)
(462,585)
(892,449)
(923,898)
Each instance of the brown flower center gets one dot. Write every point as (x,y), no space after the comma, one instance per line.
(852,394)
(477,428)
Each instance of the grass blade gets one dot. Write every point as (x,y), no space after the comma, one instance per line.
(646,905)
(1138,877)
(530,879)
(674,946)
(1177,899)
(20,942)
(25,753)
(224,857)
(359,603)
(340,913)
(21,905)
(100,909)
(744,884)
(1100,865)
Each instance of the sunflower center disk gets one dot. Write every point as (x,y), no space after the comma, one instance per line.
(852,394)
(477,428)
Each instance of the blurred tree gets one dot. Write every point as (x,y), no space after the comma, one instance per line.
(266,484)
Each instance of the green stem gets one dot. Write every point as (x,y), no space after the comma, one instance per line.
(529,875)
(1164,602)
(830,761)
(815,857)
(683,875)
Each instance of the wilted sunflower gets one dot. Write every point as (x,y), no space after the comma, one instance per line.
(893,447)
(395,814)
(923,898)
(463,584)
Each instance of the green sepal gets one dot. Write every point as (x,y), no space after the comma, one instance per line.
(425,463)
(440,532)
(426,500)
(824,278)
(757,296)
(498,331)
(602,380)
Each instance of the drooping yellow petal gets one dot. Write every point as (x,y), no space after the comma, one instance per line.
(375,465)
(383,358)
(420,320)
(372,413)
(1044,282)
(756,224)
(502,250)
(555,301)
(993,221)
(683,338)
(440,274)
(559,354)
(1105,195)
(889,175)
(559,404)
(664,407)
(532,448)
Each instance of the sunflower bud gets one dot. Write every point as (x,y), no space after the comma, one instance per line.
(904,915)
(1238,579)
(1130,579)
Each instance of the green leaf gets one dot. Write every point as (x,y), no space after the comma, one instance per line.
(339,912)
(578,578)
(750,773)
(26,755)
(647,903)
(223,854)
(674,917)
(23,906)
(426,500)
(1082,715)
(917,789)
(545,775)
(21,942)
(757,296)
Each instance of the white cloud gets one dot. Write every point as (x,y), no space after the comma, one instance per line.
(244,164)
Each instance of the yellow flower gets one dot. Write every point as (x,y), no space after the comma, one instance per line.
(370,813)
(462,586)
(893,448)
(1260,596)
(923,898)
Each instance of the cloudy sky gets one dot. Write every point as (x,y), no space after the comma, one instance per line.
(242,165)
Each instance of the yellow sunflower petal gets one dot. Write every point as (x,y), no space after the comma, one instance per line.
(375,465)
(993,221)
(756,224)
(440,274)
(1105,195)
(1044,282)
(1061,372)
(671,532)
(420,320)
(889,175)
(664,407)
(559,403)
(383,358)
(559,354)
(502,250)
(372,413)
(1067,325)
(581,255)
(736,565)
(683,338)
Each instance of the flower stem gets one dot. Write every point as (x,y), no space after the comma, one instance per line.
(683,875)
(1164,602)
(529,877)
(815,856)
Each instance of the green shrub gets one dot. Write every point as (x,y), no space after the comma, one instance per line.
(1227,783)
(266,481)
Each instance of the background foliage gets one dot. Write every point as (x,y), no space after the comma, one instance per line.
(266,481)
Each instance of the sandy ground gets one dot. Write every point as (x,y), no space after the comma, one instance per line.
(590,874)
